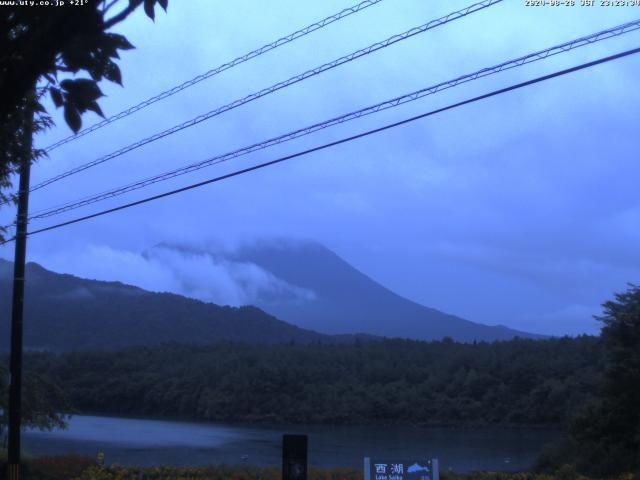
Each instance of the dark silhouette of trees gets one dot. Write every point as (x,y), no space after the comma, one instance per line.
(608,433)
(604,438)
(520,382)
(44,402)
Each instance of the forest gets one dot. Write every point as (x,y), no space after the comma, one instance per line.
(518,382)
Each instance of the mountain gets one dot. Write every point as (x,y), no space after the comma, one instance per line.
(320,291)
(298,289)
(64,312)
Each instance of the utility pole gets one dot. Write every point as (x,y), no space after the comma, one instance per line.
(17,307)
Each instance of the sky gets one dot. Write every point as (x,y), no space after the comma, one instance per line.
(519,210)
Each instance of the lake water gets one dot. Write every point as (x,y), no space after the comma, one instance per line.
(155,442)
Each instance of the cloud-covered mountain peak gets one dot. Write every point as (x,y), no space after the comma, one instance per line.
(218,274)
(307,284)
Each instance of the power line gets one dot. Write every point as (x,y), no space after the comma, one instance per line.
(221,68)
(278,86)
(8,240)
(394,102)
(343,140)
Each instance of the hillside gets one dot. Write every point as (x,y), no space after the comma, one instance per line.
(310,289)
(64,312)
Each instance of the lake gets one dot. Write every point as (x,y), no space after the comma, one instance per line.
(129,441)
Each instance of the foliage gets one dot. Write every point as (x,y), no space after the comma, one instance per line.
(555,455)
(608,432)
(255,473)
(15,140)
(39,43)
(80,468)
(505,476)
(521,382)
(218,472)
(42,402)
(59,467)
(36,45)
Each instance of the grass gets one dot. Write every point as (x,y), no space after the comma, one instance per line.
(75,467)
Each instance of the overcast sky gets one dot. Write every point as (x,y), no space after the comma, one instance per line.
(521,210)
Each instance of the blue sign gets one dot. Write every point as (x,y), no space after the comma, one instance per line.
(375,469)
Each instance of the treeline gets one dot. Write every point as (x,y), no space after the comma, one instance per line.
(520,382)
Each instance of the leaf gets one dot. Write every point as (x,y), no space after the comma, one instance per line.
(82,90)
(149,9)
(38,153)
(76,56)
(72,117)
(37,107)
(164,4)
(95,71)
(94,107)
(56,96)
(112,73)
(67,84)
(119,41)
(81,95)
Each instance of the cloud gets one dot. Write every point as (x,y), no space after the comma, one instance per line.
(532,192)
(80,293)
(210,277)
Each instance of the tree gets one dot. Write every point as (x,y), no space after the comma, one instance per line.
(44,403)
(608,433)
(39,44)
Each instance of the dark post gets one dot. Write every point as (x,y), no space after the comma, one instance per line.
(15,367)
(294,457)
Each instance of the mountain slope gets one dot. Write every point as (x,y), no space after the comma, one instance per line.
(63,312)
(343,300)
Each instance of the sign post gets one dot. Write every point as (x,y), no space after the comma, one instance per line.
(294,457)
(375,469)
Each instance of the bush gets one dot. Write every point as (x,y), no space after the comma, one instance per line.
(218,472)
(57,467)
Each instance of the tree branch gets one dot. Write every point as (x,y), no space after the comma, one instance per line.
(108,7)
(121,16)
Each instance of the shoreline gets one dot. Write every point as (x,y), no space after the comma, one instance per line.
(272,424)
